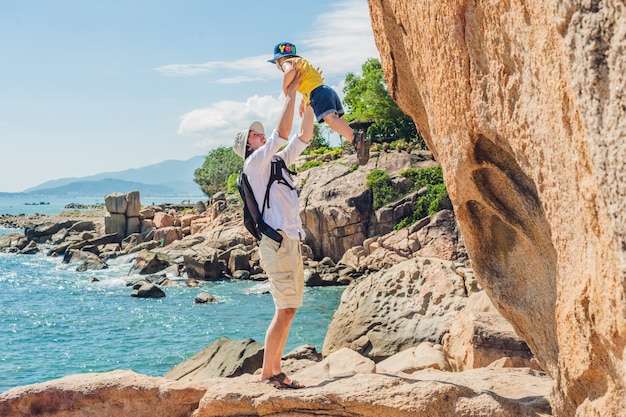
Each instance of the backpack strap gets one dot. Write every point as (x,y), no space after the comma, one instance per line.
(276,175)
(257,226)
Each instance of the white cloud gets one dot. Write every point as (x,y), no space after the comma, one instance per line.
(217,124)
(251,67)
(173,70)
(343,40)
(341,43)
(237,80)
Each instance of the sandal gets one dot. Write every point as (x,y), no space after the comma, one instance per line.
(278,382)
(360,142)
(362,146)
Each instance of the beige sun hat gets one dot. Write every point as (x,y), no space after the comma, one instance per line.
(241,138)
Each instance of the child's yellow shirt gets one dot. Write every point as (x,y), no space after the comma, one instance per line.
(310,80)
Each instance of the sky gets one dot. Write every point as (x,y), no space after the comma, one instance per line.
(90,86)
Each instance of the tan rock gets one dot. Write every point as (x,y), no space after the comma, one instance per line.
(224,358)
(522,104)
(423,356)
(398,308)
(147,213)
(167,235)
(479,335)
(162,219)
(133,225)
(115,203)
(115,223)
(117,393)
(133,207)
(187,219)
(342,363)
(336,204)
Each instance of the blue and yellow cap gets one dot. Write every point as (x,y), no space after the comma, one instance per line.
(283,49)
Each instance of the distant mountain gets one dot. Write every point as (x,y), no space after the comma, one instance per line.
(103,187)
(170,178)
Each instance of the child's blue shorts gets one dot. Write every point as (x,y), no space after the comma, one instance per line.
(324,100)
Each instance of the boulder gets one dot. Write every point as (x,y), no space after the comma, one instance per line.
(177,249)
(202,262)
(82,226)
(223,358)
(104,239)
(90,261)
(479,335)
(147,213)
(423,356)
(162,219)
(148,262)
(116,203)
(147,290)
(13,242)
(133,206)
(480,392)
(42,232)
(340,364)
(204,298)
(133,225)
(398,308)
(167,235)
(115,223)
(187,219)
(239,260)
(30,249)
(522,105)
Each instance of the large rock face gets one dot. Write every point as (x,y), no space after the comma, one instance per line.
(336,205)
(523,105)
(480,392)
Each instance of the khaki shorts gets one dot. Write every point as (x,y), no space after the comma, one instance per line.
(282,263)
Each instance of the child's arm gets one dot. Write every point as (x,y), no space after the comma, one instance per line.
(289,72)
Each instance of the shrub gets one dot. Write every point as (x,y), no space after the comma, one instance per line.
(309,165)
(382,188)
(423,177)
(435,199)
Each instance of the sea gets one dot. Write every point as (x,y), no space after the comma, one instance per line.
(55,321)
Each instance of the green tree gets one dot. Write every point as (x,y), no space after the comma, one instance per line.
(318,141)
(367,98)
(213,175)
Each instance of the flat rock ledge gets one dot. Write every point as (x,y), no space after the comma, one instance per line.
(494,392)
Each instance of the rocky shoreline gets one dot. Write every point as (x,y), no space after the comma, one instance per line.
(21,221)
(380,339)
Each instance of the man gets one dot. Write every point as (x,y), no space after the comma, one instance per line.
(283,267)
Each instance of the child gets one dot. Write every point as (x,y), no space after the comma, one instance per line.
(323,99)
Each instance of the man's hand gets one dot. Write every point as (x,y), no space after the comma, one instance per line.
(286,117)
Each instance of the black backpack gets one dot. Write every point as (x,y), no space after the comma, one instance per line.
(252,216)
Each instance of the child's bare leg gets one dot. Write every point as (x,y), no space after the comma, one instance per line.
(339,125)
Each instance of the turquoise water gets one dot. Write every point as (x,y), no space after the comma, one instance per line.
(22,204)
(54,322)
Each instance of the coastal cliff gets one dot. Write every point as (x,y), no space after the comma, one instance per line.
(523,105)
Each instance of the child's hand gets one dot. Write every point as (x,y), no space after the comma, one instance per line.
(319,71)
